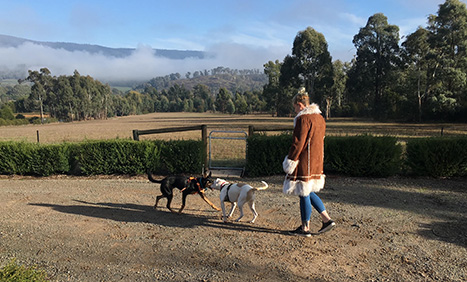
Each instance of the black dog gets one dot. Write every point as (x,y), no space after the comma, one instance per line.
(187,185)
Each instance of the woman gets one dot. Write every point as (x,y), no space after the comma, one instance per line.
(304,163)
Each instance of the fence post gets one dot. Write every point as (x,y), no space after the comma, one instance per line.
(135,135)
(204,137)
(251,130)
(37,133)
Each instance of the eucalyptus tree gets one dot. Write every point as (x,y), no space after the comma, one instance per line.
(203,100)
(42,83)
(134,100)
(310,65)
(420,65)
(335,100)
(224,101)
(241,106)
(66,102)
(448,43)
(272,90)
(376,64)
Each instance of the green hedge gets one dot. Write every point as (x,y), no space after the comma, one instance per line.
(352,155)
(135,157)
(363,155)
(185,156)
(34,159)
(356,155)
(112,157)
(437,157)
(101,157)
(265,154)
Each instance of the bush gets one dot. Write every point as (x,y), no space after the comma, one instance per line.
(363,155)
(135,157)
(47,160)
(18,273)
(13,121)
(183,156)
(110,157)
(15,157)
(437,156)
(356,156)
(6,112)
(32,158)
(265,154)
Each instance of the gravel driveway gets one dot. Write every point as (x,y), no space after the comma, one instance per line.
(105,229)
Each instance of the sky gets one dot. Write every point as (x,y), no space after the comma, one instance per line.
(240,34)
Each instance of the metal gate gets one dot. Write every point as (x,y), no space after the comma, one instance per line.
(227,151)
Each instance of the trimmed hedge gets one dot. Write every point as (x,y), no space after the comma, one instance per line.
(34,159)
(265,154)
(364,155)
(112,157)
(181,156)
(437,156)
(101,157)
(355,155)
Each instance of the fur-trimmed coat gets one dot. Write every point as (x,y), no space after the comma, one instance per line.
(304,163)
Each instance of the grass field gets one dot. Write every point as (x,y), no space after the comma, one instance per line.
(122,127)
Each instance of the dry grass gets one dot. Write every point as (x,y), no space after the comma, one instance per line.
(122,127)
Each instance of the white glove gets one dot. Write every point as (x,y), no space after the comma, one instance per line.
(289,165)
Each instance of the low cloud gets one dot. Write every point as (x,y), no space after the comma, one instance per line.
(143,64)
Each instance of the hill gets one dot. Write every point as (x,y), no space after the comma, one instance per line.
(233,80)
(20,70)
(11,41)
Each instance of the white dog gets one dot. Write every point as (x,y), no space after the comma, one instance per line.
(237,193)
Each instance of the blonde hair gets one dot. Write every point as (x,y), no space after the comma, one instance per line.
(301,97)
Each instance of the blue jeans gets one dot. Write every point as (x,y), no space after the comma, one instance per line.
(307,202)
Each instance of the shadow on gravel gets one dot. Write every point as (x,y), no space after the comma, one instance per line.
(141,213)
(445,204)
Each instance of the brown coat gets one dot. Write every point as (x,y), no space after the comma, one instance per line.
(304,163)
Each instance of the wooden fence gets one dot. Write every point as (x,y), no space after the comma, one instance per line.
(204,133)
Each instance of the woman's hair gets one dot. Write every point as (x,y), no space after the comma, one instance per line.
(301,97)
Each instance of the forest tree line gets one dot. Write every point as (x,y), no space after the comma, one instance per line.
(423,78)
(77,97)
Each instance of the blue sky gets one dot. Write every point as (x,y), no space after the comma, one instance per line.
(241,33)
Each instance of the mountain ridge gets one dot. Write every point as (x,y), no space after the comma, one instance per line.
(13,41)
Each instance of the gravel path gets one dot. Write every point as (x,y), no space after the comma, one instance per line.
(105,229)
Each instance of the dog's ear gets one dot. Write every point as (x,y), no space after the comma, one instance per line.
(210,174)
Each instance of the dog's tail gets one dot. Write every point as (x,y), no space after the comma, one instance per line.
(264,187)
(152,179)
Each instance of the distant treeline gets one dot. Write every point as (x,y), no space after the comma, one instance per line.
(78,97)
(233,80)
